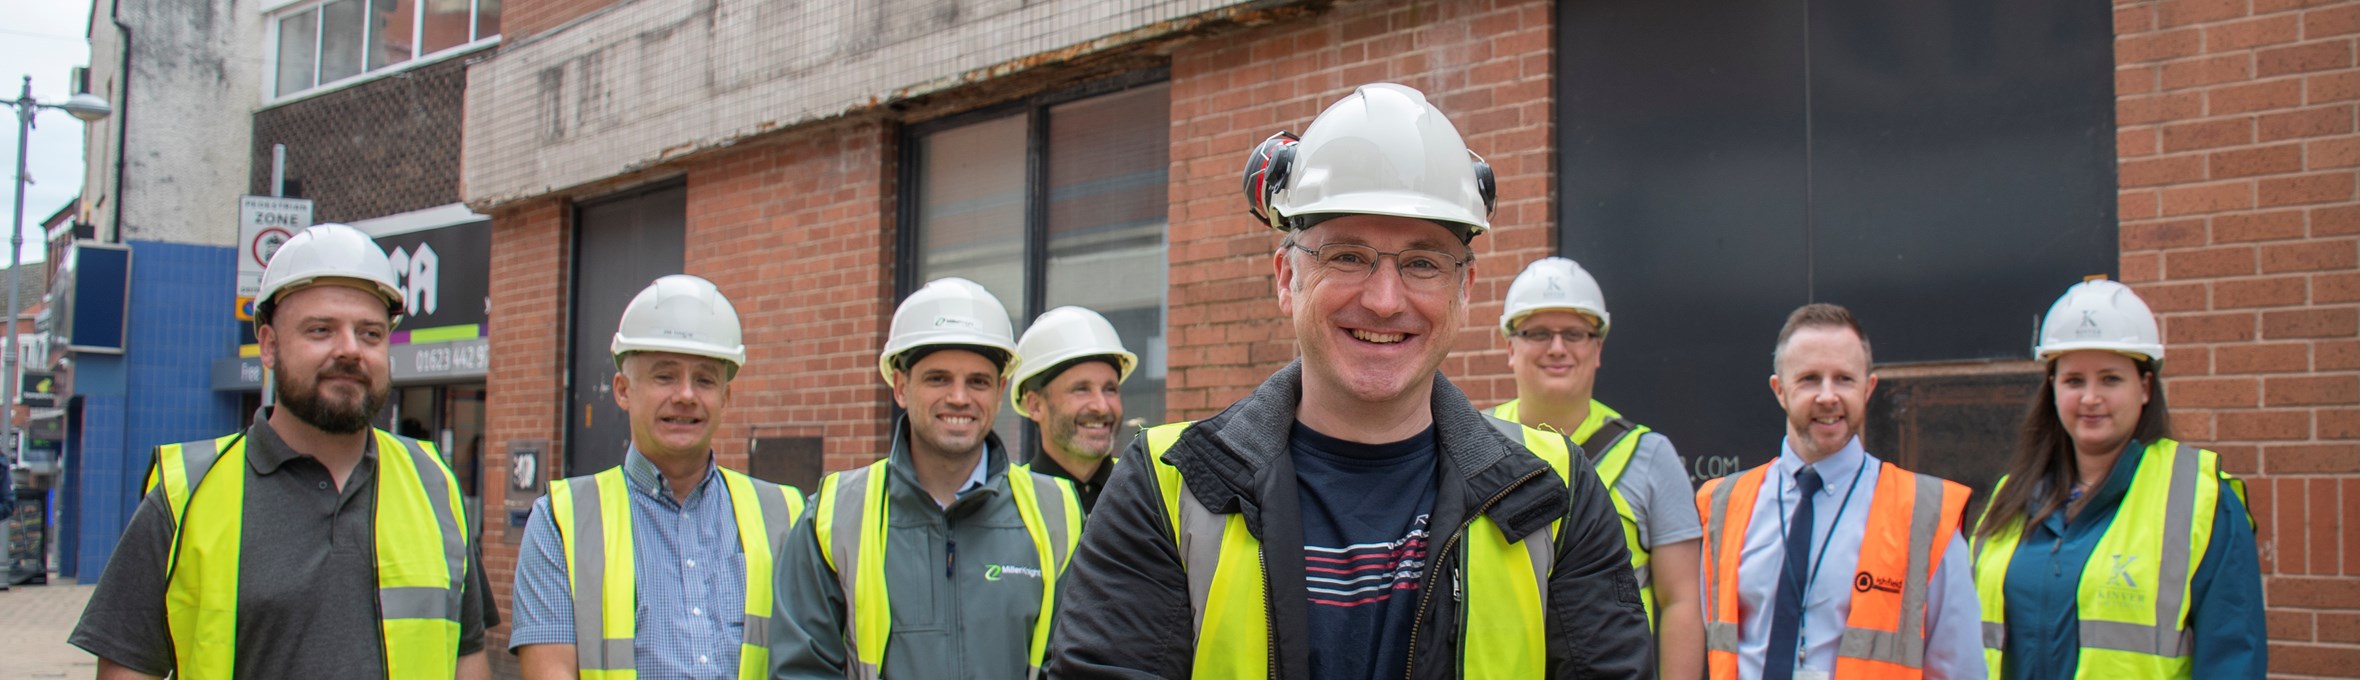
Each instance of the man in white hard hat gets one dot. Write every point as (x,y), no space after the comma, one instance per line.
(668,539)
(1071,385)
(309,545)
(942,559)
(1355,516)
(1556,322)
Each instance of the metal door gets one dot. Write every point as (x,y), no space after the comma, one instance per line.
(620,244)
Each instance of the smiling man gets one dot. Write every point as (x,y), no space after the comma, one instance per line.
(1355,517)
(1071,386)
(1556,322)
(311,545)
(941,560)
(668,539)
(1806,576)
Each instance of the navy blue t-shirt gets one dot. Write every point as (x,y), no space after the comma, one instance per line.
(1365,508)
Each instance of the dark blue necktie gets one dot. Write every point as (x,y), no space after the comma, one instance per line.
(1786,613)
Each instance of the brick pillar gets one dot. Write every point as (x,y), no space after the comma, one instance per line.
(2235,123)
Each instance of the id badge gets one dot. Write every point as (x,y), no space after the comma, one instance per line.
(1803,674)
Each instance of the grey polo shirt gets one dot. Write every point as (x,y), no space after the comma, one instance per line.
(307,580)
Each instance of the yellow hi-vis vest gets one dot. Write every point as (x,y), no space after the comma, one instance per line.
(851,528)
(421,555)
(602,574)
(1611,465)
(2133,597)
(1506,584)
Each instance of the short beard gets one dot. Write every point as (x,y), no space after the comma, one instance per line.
(308,407)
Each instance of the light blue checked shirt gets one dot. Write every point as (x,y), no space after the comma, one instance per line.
(691,578)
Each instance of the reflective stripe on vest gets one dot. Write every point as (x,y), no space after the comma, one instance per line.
(2133,599)
(602,574)
(850,519)
(1232,606)
(1611,466)
(421,564)
(1911,519)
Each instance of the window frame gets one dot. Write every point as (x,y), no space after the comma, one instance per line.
(908,245)
(274,15)
(1036,178)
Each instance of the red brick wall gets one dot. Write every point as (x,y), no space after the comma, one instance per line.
(799,233)
(524,389)
(1485,64)
(523,18)
(2235,124)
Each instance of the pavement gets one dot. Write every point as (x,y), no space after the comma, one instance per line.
(34,622)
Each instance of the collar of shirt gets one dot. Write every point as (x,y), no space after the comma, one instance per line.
(266,452)
(1046,464)
(975,480)
(1836,470)
(642,476)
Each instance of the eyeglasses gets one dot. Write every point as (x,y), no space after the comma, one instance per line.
(1418,267)
(1541,336)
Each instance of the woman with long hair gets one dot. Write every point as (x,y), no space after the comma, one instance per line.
(2110,550)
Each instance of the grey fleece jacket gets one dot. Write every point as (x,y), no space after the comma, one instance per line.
(964,583)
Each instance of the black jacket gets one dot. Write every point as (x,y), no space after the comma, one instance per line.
(1123,609)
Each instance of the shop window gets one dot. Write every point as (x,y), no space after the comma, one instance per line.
(328,43)
(1052,202)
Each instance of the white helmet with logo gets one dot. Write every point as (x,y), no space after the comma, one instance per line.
(328,254)
(1383,150)
(1065,334)
(681,314)
(949,311)
(1554,283)
(2099,314)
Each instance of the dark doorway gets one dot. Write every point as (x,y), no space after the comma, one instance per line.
(620,244)
(1944,168)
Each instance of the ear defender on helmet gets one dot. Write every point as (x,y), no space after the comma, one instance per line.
(1484,184)
(1266,173)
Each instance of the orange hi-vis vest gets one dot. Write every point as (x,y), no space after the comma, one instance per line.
(1911,519)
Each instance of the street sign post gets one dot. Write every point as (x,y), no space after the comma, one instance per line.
(264,222)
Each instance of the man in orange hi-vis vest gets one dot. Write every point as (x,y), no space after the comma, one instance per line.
(1828,562)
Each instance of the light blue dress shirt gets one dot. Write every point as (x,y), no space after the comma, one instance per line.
(1954,629)
(691,576)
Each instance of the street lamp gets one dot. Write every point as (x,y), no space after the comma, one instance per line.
(90,109)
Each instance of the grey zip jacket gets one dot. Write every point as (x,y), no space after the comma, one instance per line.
(964,583)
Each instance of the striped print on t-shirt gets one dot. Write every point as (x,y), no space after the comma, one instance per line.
(1364,510)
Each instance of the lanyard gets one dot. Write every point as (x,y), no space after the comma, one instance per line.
(1802,636)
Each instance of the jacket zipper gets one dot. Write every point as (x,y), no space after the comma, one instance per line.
(1270,614)
(1426,594)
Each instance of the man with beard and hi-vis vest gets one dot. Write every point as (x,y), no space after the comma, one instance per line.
(310,545)
(1827,562)
(661,565)
(1556,322)
(942,559)
(1355,516)
(1071,385)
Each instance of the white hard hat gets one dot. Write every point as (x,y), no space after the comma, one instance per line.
(1383,150)
(1554,283)
(2099,314)
(949,311)
(1061,335)
(681,314)
(331,254)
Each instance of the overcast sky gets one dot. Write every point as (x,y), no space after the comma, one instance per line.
(44,39)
